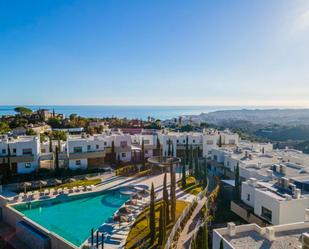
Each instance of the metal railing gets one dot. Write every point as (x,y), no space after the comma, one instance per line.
(183,215)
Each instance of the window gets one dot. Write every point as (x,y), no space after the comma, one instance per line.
(248,197)
(3,151)
(78,162)
(266,213)
(183,141)
(97,146)
(27,165)
(14,150)
(88,147)
(77,149)
(193,140)
(27,151)
(146,151)
(105,143)
(146,141)
(123,144)
(123,155)
(177,141)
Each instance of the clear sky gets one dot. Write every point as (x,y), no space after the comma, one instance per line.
(155,52)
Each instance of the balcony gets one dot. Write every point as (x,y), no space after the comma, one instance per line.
(18,159)
(87,154)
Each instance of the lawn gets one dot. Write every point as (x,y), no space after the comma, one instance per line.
(140,229)
(191,186)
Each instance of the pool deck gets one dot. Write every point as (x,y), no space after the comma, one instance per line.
(119,233)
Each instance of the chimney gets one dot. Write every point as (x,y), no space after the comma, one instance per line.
(305,241)
(285,182)
(252,182)
(231,227)
(307,215)
(270,233)
(296,193)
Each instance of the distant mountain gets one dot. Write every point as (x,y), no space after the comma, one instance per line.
(289,117)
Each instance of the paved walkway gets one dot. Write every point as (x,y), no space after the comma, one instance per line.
(185,237)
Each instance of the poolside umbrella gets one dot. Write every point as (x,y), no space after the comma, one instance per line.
(120,218)
(72,179)
(131,202)
(136,196)
(57,181)
(42,183)
(144,192)
(125,210)
(25,185)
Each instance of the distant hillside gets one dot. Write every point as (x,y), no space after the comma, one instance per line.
(271,116)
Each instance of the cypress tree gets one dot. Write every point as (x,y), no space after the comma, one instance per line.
(173,193)
(162,225)
(220,141)
(9,173)
(196,167)
(50,144)
(143,152)
(169,147)
(237,183)
(113,153)
(205,236)
(221,244)
(57,158)
(205,174)
(187,150)
(165,200)
(183,178)
(152,215)
(158,146)
(191,160)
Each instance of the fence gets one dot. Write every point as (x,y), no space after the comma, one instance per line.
(177,225)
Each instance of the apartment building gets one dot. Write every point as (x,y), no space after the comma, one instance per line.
(25,153)
(292,236)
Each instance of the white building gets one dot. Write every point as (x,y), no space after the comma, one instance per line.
(292,236)
(25,153)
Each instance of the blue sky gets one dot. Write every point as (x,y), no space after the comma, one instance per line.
(155,52)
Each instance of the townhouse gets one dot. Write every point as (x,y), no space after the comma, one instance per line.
(24,153)
(93,151)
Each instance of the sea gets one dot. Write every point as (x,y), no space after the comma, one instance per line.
(121,111)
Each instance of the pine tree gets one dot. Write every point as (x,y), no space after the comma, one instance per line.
(152,215)
(162,225)
(165,200)
(221,244)
(237,183)
(183,177)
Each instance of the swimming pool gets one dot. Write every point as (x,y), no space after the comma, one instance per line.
(73,217)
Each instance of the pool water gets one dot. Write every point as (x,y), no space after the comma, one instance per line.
(73,217)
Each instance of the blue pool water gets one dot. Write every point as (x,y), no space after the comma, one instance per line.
(74,217)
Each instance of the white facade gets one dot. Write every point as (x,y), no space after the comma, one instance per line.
(273,205)
(25,152)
